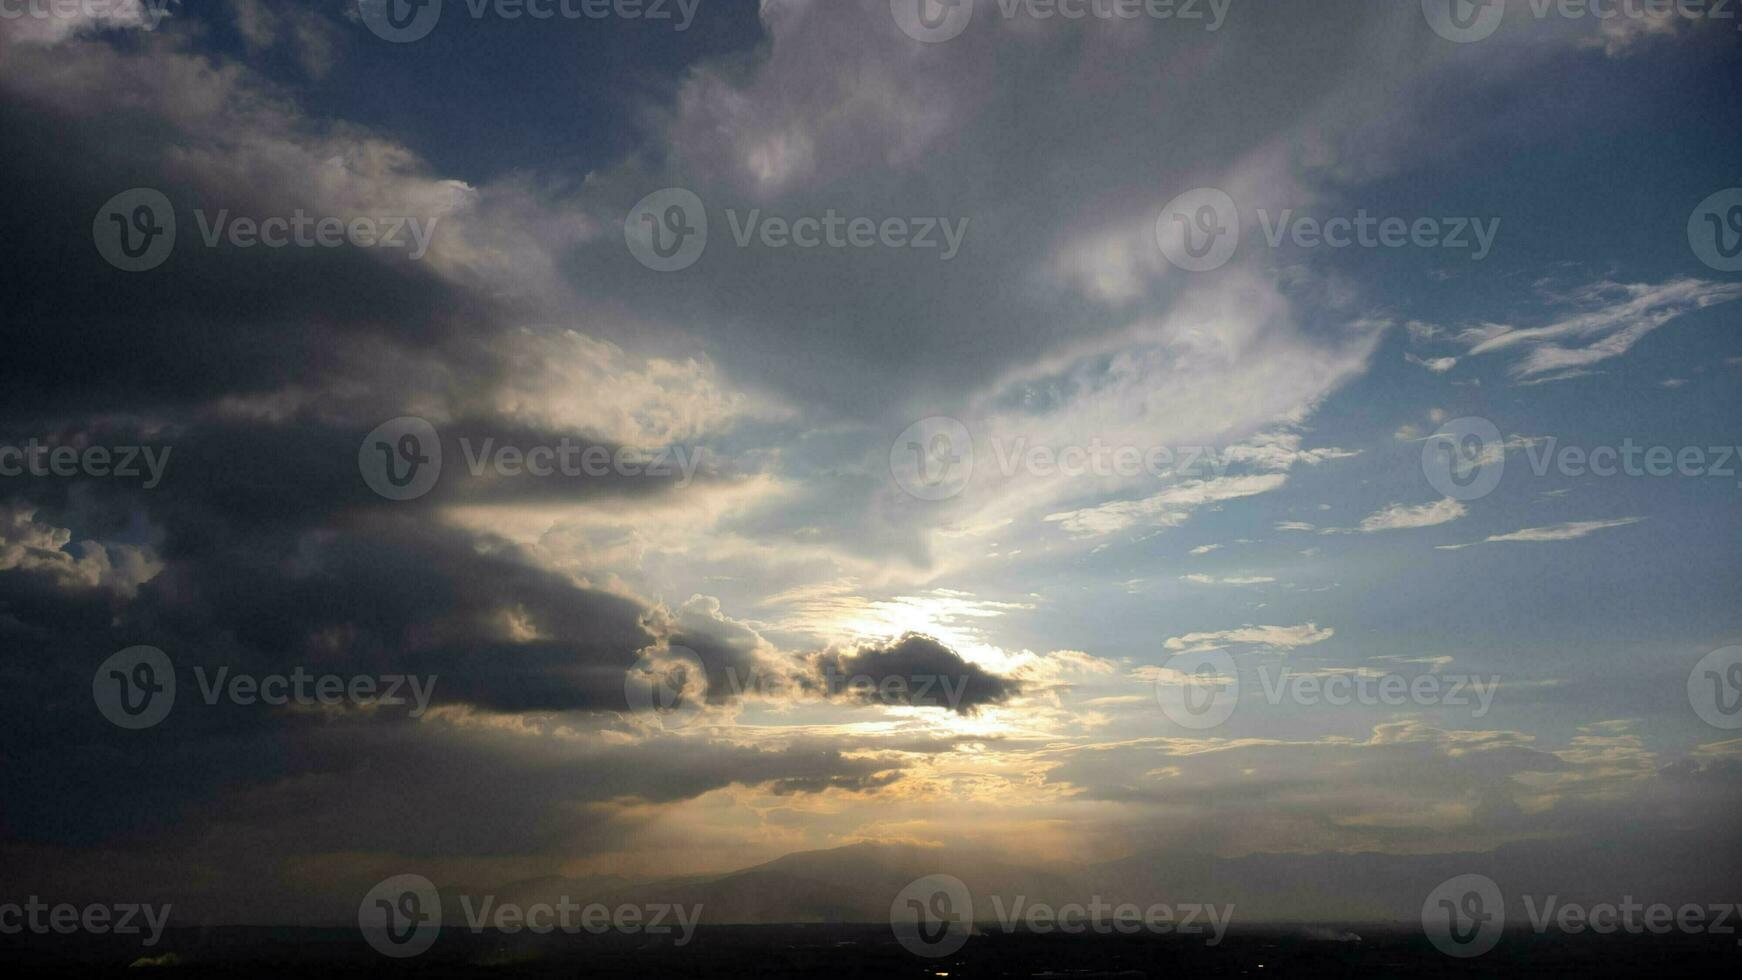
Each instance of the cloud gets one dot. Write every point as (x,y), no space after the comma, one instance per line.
(1423,332)
(1227,579)
(29,545)
(1276,451)
(312,37)
(65,21)
(1604,320)
(1281,450)
(1170,508)
(915,671)
(1438,365)
(1558,532)
(1399,517)
(1268,637)
(568,381)
(1619,35)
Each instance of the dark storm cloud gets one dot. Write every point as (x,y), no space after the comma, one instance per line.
(211,322)
(366,598)
(261,370)
(914,670)
(729,662)
(371,594)
(468,788)
(386,795)
(238,477)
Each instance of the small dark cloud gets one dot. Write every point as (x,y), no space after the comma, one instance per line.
(914,670)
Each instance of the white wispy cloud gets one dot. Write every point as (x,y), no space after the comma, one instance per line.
(1555,532)
(1493,452)
(1399,517)
(1170,508)
(1438,365)
(1606,320)
(1281,450)
(1274,637)
(1422,332)
(1227,579)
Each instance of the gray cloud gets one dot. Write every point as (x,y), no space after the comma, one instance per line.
(914,670)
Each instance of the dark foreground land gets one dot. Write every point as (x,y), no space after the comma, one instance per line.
(836,951)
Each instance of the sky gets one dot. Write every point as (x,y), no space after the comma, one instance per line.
(1059,437)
